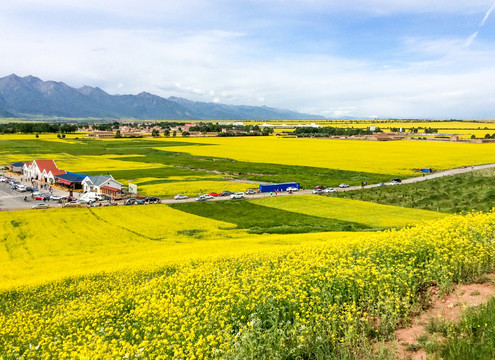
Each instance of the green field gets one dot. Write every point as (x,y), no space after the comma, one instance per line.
(451,194)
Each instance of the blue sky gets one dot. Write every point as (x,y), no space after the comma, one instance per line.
(363,58)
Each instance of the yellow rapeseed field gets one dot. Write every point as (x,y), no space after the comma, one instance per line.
(394,157)
(315,299)
(193,188)
(63,242)
(375,215)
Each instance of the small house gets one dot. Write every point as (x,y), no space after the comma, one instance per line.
(103,184)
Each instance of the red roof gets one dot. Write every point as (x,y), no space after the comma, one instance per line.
(58,172)
(46,165)
(110,188)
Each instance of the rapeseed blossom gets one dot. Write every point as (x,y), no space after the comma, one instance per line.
(306,300)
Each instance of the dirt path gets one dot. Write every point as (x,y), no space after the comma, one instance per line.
(448,308)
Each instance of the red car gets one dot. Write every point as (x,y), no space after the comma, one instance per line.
(41,197)
(320,187)
(213,194)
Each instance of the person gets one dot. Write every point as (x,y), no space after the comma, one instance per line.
(271,193)
(25,198)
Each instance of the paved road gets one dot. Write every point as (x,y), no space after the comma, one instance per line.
(13,200)
(435,175)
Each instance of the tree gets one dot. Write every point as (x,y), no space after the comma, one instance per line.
(166,132)
(118,134)
(174,134)
(37,136)
(155,133)
(185,134)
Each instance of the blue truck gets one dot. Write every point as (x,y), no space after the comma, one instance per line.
(278,187)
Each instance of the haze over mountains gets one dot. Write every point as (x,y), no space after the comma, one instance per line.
(30,96)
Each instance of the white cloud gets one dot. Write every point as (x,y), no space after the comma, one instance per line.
(429,76)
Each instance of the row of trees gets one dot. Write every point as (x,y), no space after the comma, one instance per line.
(332,131)
(31,128)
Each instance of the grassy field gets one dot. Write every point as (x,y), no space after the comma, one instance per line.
(472,338)
(465,192)
(261,219)
(318,298)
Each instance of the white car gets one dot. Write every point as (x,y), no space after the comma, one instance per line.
(3,179)
(180,197)
(237,195)
(329,190)
(395,183)
(40,206)
(57,197)
(343,185)
(21,188)
(292,188)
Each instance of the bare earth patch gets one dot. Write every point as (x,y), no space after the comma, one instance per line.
(445,308)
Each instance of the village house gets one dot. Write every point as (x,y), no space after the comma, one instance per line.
(42,170)
(103,184)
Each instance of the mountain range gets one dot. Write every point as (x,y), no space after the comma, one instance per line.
(30,96)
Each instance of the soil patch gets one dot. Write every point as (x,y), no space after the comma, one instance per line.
(444,308)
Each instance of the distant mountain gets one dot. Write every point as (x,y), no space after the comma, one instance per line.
(30,96)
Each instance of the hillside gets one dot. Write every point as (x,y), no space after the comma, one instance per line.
(30,96)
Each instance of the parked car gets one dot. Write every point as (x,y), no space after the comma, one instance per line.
(133,201)
(200,198)
(41,197)
(329,190)
(31,189)
(56,197)
(381,184)
(74,204)
(320,187)
(292,188)
(180,197)
(40,206)
(318,191)
(4,179)
(393,182)
(250,192)
(343,185)
(208,196)
(237,195)
(21,188)
(213,194)
(226,193)
(152,200)
(397,180)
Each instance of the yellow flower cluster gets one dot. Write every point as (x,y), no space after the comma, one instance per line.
(363,212)
(297,302)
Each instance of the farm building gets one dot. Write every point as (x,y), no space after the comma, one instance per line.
(43,170)
(16,167)
(103,184)
(70,180)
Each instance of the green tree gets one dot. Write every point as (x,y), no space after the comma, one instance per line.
(118,134)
